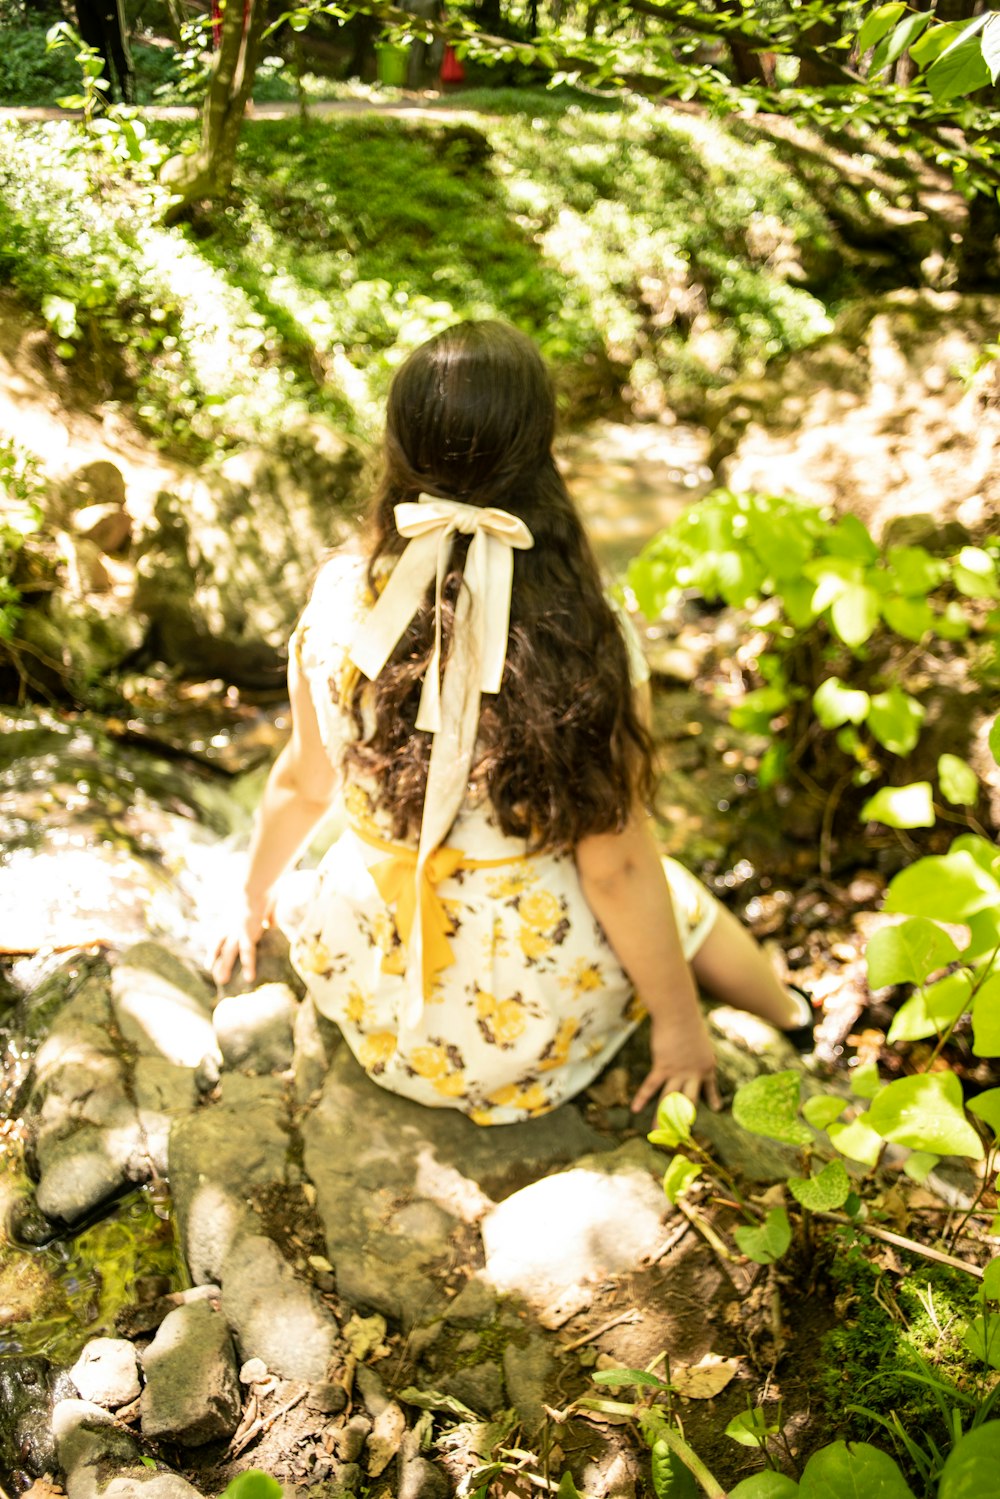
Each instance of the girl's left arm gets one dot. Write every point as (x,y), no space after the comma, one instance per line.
(298,793)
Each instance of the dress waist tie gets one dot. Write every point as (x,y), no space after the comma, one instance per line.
(396,881)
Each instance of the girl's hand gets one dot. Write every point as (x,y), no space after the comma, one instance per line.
(682,1061)
(242,943)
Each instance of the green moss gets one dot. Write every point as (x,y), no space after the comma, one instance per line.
(894,1337)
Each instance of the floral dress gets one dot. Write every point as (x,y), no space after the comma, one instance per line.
(534,1004)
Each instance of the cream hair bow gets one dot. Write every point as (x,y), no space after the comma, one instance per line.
(449,710)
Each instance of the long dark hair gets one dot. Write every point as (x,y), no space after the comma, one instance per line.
(562,751)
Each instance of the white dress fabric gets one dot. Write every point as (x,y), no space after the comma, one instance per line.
(535,1003)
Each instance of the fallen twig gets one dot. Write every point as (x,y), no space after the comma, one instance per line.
(588,1337)
(937,1255)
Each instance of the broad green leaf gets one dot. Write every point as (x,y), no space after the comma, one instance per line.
(755,712)
(959,782)
(878,24)
(822,1109)
(671,1479)
(982,1338)
(853,1470)
(767,1242)
(995,739)
(832,576)
(991,1280)
(679,1176)
(675,1115)
(959,70)
(952,623)
(898,42)
(919,1164)
(767,1485)
(751,1428)
(253,1484)
(986,1106)
(914,572)
(851,538)
(857,1141)
(901,806)
(865,1081)
(895,718)
(567,1488)
(835,704)
(932,1010)
(985,853)
(984,934)
(911,618)
(935,41)
(986,1018)
(974,572)
(948,887)
(769,1106)
(991,46)
(908,953)
(822,1193)
(855,613)
(972,1464)
(927,1113)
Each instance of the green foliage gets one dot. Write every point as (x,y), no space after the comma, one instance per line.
(768,1105)
(839,598)
(766,1242)
(253,1484)
(21,490)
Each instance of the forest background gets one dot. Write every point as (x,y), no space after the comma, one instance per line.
(760,247)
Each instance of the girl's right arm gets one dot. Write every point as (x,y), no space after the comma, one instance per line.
(624,885)
(297,795)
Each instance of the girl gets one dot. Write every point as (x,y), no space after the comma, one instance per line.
(483,929)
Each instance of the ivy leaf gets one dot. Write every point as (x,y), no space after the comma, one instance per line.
(822,1193)
(931,1011)
(915,572)
(908,953)
(253,1484)
(959,782)
(949,887)
(857,1141)
(822,1109)
(911,618)
(986,1019)
(769,1106)
(895,719)
(767,1485)
(974,572)
(855,613)
(919,1164)
(834,703)
(674,1118)
(972,1464)
(865,1081)
(678,1177)
(995,739)
(901,806)
(991,1280)
(986,1106)
(925,1112)
(855,1471)
(751,1428)
(768,1241)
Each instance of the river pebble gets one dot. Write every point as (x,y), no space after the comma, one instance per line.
(192,1392)
(107,1372)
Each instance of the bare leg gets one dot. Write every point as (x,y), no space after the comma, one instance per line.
(735,970)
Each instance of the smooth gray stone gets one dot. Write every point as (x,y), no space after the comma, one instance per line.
(254,1030)
(192,1392)
(274,1315)
(163,1006)
(530,1374)
(107,1373)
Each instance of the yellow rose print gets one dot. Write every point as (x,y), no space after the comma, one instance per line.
(540,909)
(315,956)
(557,1051)
(431,1062)
(374,1051)
(534,944)
(452,1086)
(356,1006)
(532,1099)
(501,1021)
(583,978)
(509,886)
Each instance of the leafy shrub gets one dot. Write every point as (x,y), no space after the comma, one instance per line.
(21,489)
(840,606)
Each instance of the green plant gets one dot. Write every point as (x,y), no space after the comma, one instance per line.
(253,1484)
(835,606)
(21,490)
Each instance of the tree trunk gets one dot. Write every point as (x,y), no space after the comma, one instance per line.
(906,69)
(102,26)
(209,172)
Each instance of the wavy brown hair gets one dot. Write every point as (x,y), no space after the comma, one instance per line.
(561,749)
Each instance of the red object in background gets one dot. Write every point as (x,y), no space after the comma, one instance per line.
(217,21)
(451,69)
